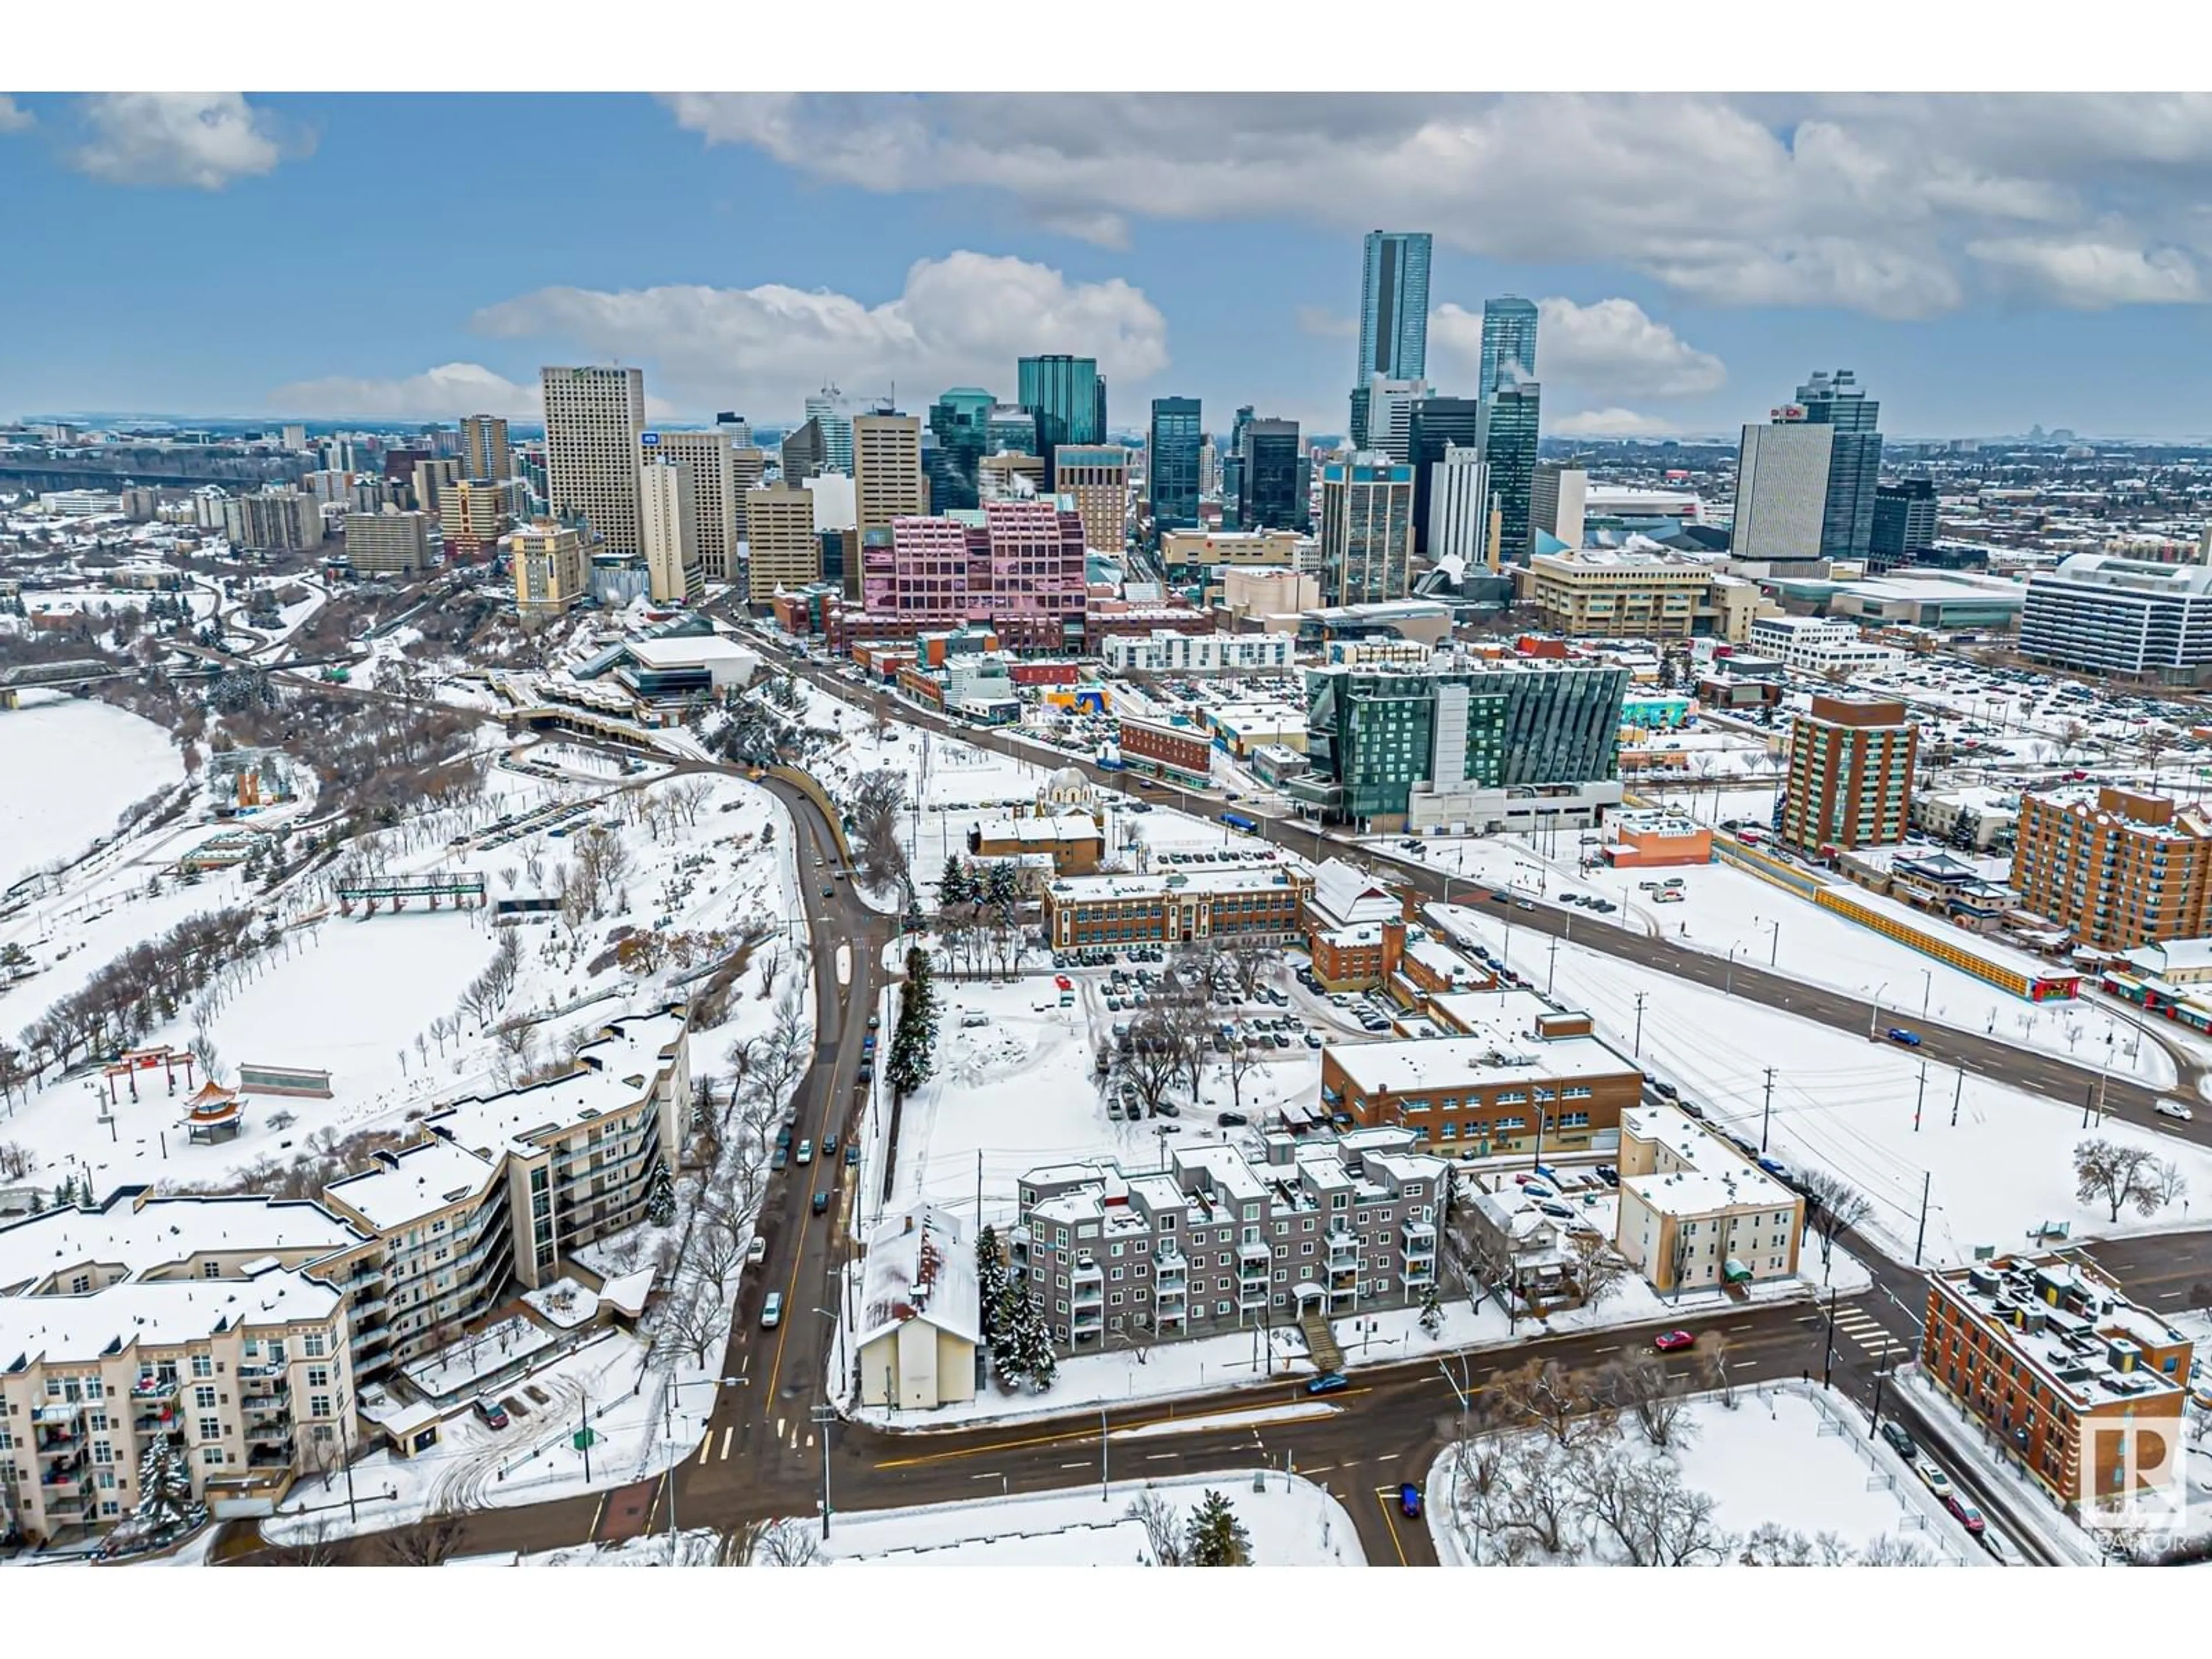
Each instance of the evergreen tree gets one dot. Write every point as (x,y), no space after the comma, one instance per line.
(1214,1537)
(165,1502)
(952,886)
(1005,1326)
(1032,1346)
(1433,1313)
(990,1277)
(660,1198)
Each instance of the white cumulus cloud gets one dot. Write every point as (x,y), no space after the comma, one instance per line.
(1612,348)
(1611,423)
(446,392)
(14,118)
(1869,203)
(201,139)
(2092,275)
(963,318)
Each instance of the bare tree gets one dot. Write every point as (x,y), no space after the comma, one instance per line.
(790,1543)
(1598,1270)
(428,1543)
(1832,1207)
(1712,1354)
(1639,1385)
(1163,1526)
(319,1546)
(1154,1059)
(1560,1401)
(1537,1499)
(1891,1551)
(2118,1176)
(1240,1062)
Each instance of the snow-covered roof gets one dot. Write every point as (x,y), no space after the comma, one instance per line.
(615,1073)
(918,1267)
(1344,896)
(139,1233)
(1259,876)
(414,1182)
(1043,832)
(1482,1061)
(1706,1173)
(156,1312)
(2175,956)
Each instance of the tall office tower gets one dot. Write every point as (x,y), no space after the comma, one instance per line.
(832,410)
(594,419)
(668,519)
(1854,460)
(430,476)
(550,570)
(805,452)
(735,428)
(1366,530)
(1097,476)
(296,438)
(1436,425)
(1390,405)
(1176,474)
(960,421)
(1011,427)
(1209,467)
(1509,343)
(1555,504)
(783,549)
(485,455)
(1357,426)
(340,455)
(1904,523)
(1010,476)
(716,489)
(1272,490)
(1459,509)
(887,479)
(1066,395)
(1782,488)
(1510,420)
(1393,306)
(474,515)
(748,471)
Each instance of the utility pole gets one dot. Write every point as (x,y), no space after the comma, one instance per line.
(823,1417)
(1920,1098)
(1637,1052)
(1881,1375)
(1767,1110)
(1551,969)
(1105,1491)
(352,1513)
(584,1437)
(1921,1237)
(1828,1349)
(1957,1089)
(1774,952)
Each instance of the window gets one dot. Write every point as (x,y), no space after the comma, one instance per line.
(211,1455)
(203,1398)
(202,1365)
(211,1428)
(319,1376)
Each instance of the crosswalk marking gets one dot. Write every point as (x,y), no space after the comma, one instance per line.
(723,1455)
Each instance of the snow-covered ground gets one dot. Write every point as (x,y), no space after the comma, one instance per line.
(71,767)
(1786,1454)
(1846,1104)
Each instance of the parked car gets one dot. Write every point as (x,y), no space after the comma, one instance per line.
(1901,1441)
(1231,1119)
(772,1311)
(1328,1383)
(2174,1110)
(491,1413)
(1673,1341)
(1898,1034)
(1409,1501)
(1933,1478)
(779,1159)
(756,1252)
(1608,1175)
(852,1155)
(1969,1517)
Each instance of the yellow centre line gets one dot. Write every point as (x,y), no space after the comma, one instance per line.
(1383,1496)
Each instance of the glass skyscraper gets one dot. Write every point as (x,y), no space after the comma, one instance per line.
(960,421)
(1509,417)
(1271,484)
(1437,424)
(1068,399)
(1854,461)
(1173,472)
(1393,306)
(1509,339)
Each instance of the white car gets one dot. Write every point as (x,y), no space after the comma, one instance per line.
(756,1252)
(2174,1110)
(1933,1478)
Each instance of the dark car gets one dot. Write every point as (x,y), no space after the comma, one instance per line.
(780,1159)
(1608,1175)
(1231,1119)
(1901,1440)
(852,1154)
(1898,1034)
(491,1413)
(821,1203)
(829,892)
(1328,1383)
(828,1145)
(1409,1501)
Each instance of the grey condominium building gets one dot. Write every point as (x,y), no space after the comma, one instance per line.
(1214,1241)
(2102,615)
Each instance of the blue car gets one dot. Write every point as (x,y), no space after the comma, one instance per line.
(1328,1383)
(1409,1501)
(1898,1034)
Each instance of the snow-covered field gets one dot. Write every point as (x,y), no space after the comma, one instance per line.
(71,767)
(1845,1104)
(1787,1455)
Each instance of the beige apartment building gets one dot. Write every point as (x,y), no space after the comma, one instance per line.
(474,515)
(1207,549)
(389,543)
(593,420)
(782,550)
(668,519)
(550,571)
(2118,867)
(1604,594)
(748,470)
(1097,476)
(486,455)
(430,478)
(1695,1211)
(888,482)
(718,507)
(1010,476)
(1272,596)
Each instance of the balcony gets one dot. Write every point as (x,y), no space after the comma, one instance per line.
(270,1457)
(1254,1251)
(154,1387)
(1418,1239)
(53,1443)
(269,1433)
(1342,1246)
(58,1413)
(1088,1294)
(71,1472)
(154,1423)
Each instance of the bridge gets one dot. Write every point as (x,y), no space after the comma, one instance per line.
(55,677)
(119,466)
(463,887)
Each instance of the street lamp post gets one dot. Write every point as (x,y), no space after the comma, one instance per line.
(1927,991)
(1774,950)
(1874,1015)
(823,1417)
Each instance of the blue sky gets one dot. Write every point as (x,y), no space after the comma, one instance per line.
(1982,262)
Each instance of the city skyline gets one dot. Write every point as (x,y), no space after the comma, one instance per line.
(792,265)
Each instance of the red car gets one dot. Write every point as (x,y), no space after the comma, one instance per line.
(1969,1517)
(1062,982)
(1670,1342)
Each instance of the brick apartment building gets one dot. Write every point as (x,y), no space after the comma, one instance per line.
(1850,778)
(2118,867)
(1180,754)
(1254,895)
(1522,1078)
(2060,1367)
(1695,1211)
(1018,565)
(1213,1242)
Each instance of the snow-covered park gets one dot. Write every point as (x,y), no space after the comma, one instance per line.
(71,766)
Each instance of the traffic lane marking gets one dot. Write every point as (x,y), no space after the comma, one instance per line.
(1382,1496)
(1087,1434)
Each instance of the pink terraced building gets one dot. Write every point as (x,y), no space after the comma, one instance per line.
(1015,566)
